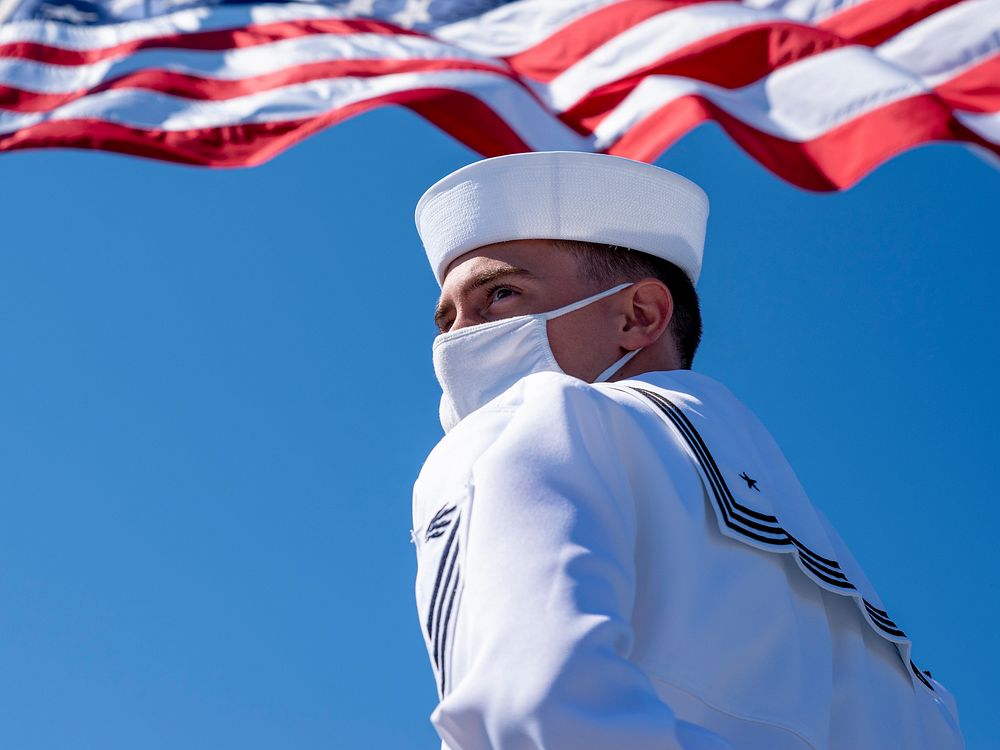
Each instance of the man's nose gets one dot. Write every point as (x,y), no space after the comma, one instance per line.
(466,318)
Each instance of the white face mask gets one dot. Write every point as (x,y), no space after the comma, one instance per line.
(474,365)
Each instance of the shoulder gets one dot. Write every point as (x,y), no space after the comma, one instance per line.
(693,399)
(548,410)
(547,394)
(538,407)
(546,421)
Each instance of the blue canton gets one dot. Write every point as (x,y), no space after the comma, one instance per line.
(95,12)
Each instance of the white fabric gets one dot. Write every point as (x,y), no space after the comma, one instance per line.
(799,101)
(226,64)
(576,589)
(477,363)
(142,108)
(567,195)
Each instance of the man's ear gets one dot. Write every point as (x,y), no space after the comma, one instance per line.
(648,309)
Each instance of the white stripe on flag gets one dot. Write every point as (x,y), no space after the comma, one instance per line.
(74,37)
(943,45)
(518,26)
(156,110)
(647,42)
(808,11)
(232,64)
(938,47)
(986,124)
(799,102)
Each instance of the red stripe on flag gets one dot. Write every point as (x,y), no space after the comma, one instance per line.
(460,114)
(202,88)
(833,161)
(872,22)
(868,23)
(217,39)
(975,90)
(576,40)
(731,59)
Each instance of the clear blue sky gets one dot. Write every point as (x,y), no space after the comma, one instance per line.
(217,391)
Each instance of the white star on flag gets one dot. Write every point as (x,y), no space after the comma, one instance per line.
(415,11)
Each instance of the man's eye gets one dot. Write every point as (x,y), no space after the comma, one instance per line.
(500,293)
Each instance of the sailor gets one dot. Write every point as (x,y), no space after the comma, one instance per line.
(613,553)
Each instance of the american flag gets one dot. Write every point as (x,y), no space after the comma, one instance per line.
(819,91)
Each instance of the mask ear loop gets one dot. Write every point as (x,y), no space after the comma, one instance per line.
(574,306)
(603,377)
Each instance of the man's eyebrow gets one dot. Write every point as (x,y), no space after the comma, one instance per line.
(492,274)
(480,280)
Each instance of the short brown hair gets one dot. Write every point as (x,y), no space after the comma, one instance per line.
(610,264)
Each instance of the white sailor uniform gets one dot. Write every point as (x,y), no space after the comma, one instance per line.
(634,565)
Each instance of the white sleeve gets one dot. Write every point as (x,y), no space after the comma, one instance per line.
(548,587)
